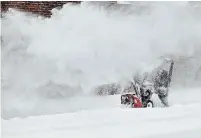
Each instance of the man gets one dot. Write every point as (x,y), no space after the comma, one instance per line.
(161,87)
(162,83)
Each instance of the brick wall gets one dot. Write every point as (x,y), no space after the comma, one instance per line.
(37,7)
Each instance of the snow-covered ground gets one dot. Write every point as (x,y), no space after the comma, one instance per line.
(98,117)
(177,121)
(174,122)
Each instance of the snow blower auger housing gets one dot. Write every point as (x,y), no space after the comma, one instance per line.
(135,101)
